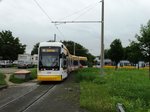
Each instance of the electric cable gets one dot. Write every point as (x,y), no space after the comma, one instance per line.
(83,13)
(48,17)
(76,12)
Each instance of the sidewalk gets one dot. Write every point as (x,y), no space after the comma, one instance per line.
(7,81)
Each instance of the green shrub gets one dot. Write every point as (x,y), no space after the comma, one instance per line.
(17,80)
(33,73)
(2,79)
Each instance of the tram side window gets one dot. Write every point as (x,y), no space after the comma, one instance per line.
(75,62)
(121,64)
(64,61)
(83,62)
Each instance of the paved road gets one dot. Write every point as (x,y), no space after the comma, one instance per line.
(49,97)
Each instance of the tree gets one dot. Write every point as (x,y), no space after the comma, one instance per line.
(133,52)
(35,49)
(79,51)
(116,51)
(144,41)
(106,53)
(10,46)
(90,59)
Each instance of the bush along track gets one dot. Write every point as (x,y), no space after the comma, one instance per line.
(101,94)
(2,81)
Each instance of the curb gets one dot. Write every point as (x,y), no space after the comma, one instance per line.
(3,87)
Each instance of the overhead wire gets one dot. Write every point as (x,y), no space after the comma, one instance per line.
(48,17)
(85,9)
(80,10)
(83,13)
(43,10)
(59,31)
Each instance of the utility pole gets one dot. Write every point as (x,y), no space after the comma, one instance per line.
(74,48)
(102,39)
(54,37)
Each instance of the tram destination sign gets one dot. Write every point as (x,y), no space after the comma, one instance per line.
(50,50)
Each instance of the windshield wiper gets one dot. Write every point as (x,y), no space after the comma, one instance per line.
(55,63)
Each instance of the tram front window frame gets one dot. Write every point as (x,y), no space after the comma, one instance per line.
(49,58)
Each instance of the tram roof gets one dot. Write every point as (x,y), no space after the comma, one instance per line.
(82,58)
(58,44)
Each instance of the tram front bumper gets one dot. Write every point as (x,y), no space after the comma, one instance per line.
(49,77)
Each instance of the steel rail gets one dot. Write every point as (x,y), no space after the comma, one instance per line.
(38,99)
(4,105)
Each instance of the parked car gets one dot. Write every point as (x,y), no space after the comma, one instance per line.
(5,63)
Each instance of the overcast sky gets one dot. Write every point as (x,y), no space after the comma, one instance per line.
(24,18)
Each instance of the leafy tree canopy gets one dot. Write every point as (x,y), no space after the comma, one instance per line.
(133,52)
(79,49)
(106,53)
(116,51)
(144,40)
(35,49)
(10,46)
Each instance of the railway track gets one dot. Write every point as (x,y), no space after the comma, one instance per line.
(24,102)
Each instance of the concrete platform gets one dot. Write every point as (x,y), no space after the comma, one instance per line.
(22,74)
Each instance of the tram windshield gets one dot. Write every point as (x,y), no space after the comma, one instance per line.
(49,58)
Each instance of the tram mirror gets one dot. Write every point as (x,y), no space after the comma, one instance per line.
(60,55)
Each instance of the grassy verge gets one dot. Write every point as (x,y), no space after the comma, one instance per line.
(101,94)
(33,73)
(2,79)
(18,81)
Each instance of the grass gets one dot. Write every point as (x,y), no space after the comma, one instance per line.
(2,79)
(33,73)
(101,94)
(18,81)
